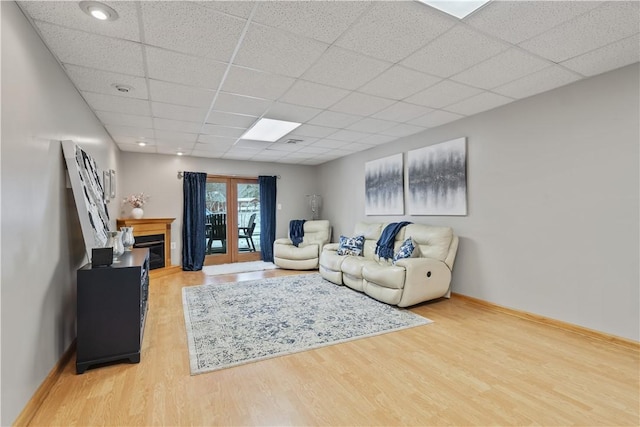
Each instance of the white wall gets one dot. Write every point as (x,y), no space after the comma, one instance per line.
(157,175)
(41,241)
(553,209)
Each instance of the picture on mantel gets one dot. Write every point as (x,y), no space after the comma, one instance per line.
(384,186)
(437,177)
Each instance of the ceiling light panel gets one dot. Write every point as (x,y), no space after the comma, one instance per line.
(269,130)
(459,8)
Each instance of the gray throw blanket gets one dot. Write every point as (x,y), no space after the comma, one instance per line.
(384,246)
(296,231)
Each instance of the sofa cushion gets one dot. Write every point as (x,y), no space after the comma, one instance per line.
(296,253)
(408,249)
(353,265)
(387,276)
(351,245)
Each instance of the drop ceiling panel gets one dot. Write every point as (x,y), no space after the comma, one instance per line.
(117,119)
(245,81)
(185,69)
(392,30)
(270,49)
(502,68)
(345,69)
(241,9)
(479,103)
(190,28)
(402,130)
(133,132)
(232,120)
(176,125)
(69,14)
(349,135)
(334,120)
(370,125)
(436,118)
(377,139)
(172,93)
(454,51)
(540,81)
(517,21)
(360,104)
(609,22)
(401,112)
(106,53)
(313,131)
(302,17)
(163,136)
(442,94)
(290,112)
(328,143)
(398,83)
(224,131)
(241,104)
(88,79)
(315,95)
(120,104)
(617,54)
(213,141)
(178,112)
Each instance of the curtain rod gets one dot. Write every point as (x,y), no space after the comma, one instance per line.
(181,174)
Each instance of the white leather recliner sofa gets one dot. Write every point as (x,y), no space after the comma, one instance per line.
(306,255)
(407,282)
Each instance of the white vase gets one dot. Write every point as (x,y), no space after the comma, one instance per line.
(137,213)
(127,238)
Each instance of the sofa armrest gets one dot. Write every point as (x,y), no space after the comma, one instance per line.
(331,247)
(425,279)
(283,241)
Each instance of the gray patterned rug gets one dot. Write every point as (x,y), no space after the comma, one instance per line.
(235,323)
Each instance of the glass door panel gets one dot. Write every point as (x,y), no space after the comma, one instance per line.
(232,220)
(216,230)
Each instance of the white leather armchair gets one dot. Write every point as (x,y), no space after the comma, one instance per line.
(306,255)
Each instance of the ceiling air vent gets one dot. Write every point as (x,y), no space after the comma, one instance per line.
(293,141)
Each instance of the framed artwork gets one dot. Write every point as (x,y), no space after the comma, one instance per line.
(437,177)
(384,186)
(89,195)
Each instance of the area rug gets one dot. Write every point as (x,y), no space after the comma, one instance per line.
(237,267)
(231,324)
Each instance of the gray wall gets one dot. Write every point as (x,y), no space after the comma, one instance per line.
(41,241)
(156,175)
(552,224)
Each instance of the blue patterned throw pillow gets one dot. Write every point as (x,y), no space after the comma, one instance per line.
(408,249)
(351,245)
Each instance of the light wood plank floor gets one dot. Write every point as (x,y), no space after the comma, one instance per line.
(473,366)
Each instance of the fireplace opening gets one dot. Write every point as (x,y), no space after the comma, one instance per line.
(155,243)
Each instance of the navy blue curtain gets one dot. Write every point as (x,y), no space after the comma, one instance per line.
(194,187)
(267,216)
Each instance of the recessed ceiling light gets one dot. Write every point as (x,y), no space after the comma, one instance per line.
(142,143)
(179,153)
(457,8)
(98,10)
(269,130)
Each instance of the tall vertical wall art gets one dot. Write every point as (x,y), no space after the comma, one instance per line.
(384,186)
(438,179)
(89,196)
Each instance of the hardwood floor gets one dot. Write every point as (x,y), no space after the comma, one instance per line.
(473,366)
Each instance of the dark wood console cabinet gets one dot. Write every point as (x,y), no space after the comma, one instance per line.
(111,308)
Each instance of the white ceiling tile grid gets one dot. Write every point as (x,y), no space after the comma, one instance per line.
(194,76)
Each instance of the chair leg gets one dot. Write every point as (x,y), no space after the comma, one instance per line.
(253,245)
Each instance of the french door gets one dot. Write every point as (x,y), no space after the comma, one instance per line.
(232,224)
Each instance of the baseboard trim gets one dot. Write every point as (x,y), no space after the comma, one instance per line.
(32,406)
(591,333)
